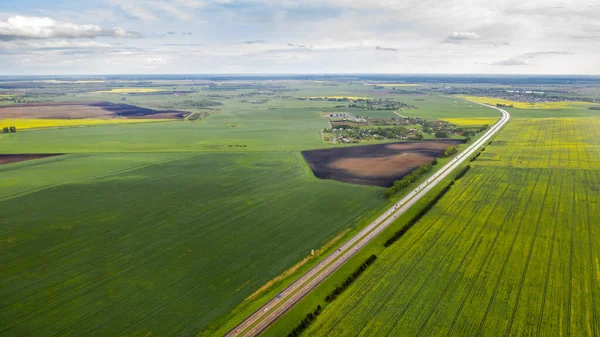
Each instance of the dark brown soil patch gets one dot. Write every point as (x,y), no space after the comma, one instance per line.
(378,165)
(15,158)
(80,110)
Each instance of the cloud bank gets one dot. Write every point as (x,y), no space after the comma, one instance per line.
(301,36)
(25,28)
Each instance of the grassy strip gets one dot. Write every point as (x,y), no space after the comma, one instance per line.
(338,290)
(310,317)
(419,215)
(462,172)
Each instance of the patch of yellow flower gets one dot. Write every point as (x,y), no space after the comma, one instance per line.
(22,124)
(477,121)
(340,97)
(131,90)
(526,105)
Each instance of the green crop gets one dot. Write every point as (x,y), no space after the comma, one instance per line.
(512,249)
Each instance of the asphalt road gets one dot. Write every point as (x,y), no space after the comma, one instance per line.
(268,313)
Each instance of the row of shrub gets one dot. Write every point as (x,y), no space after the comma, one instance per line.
(419,215)
(310,317)
(476,156)
(408,179)
(338,290)
(462,172)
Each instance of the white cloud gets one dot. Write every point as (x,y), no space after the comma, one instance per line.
(23,28)
(385,48)
(155,60)
(149,10)
(461,36)
(509,62)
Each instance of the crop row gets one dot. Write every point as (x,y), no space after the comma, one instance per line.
(509,251)
(547,143)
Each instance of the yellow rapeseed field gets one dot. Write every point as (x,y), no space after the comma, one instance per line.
(546,143)
(340,97)
(477,121)
(131,90)
(525,105)
(22,124)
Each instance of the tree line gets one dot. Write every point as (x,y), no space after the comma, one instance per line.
(462,172)
(415,174)
(408,179)
(475,156)
(417,217)
(478,154)
(308,319)
(350,279)
(311,316)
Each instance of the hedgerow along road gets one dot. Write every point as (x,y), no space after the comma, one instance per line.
(268,313)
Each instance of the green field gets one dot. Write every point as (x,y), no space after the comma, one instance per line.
(157,243)
(512,249)
(167,228)
(259,130)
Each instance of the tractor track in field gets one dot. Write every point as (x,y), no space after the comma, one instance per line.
(550,256)
(479,271)
(505,263)
(528,260)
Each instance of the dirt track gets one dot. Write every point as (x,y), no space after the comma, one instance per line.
(378,165)
(15,158)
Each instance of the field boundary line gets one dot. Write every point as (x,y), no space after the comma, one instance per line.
(591,256)
(550,256)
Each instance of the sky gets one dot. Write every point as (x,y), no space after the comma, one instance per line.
(52,37)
